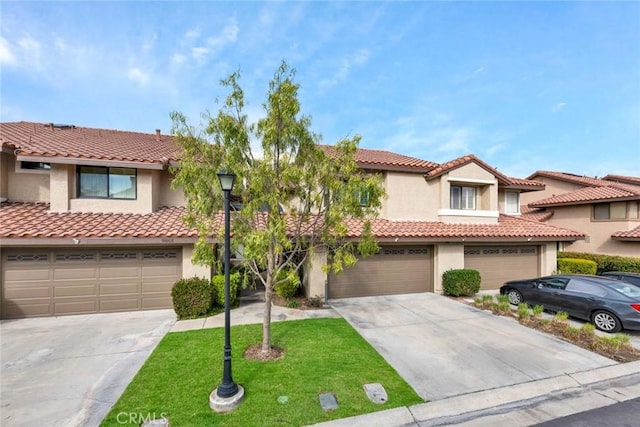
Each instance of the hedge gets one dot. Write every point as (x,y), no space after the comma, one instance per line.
(192,297)
(461,282)
(606,262)
(287,283)
(576,266)
(235,281)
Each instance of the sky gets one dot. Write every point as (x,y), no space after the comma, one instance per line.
(524,86)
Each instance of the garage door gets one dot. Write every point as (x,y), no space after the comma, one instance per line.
(498,264)
(395,270)
(48,282)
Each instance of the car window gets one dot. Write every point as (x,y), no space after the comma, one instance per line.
(552,283)
(630,279)
(626,289)
(585,288)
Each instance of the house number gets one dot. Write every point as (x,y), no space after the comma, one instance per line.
(167,240)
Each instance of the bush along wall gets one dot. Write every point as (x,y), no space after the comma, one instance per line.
(606,262)
(576,266)
(192,297)
(235,282)
(461,282)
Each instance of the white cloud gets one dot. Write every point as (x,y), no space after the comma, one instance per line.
(30,51)
(346,64)
(138,76)
(199,52)
(228,35)
(192,33)
(6,55)
(558,107)
(177,59)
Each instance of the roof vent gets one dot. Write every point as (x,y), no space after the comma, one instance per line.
(158,135)
(60,126)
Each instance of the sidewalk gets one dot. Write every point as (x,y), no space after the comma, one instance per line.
(521,404)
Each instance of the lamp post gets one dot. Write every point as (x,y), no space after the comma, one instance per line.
(228,395)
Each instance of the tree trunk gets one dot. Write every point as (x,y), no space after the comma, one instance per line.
(268,296)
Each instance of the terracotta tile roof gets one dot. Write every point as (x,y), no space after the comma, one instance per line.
(633,234)
(461,161)
(569,177)
(590,195)
(385,159)
(633,180)
(33,220)
(535,214)
(507,227)
(525,184)
(81,143)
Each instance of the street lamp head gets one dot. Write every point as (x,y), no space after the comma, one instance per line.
(226,180)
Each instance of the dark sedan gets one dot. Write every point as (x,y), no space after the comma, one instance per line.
(633,278)
(610,304)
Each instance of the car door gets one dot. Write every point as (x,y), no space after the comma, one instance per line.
(548,292)
(580,297)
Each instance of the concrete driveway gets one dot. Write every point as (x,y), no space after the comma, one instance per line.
(444,348)
(69,371)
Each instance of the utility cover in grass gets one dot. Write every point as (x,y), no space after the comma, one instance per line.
(328,401)
(376,393)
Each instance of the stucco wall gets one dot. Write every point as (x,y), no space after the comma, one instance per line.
(26,186)
(4,175)
(553,187)
(62,184)
(598,232)
(409,197)
(168,196)
(314,278)
(189,269)
(447,256)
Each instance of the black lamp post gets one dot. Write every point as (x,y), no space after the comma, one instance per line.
(228,388)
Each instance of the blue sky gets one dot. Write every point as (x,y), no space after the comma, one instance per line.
(524,86)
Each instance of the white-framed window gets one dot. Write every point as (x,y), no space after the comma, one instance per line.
(107,183)
(463,198)
(512,202)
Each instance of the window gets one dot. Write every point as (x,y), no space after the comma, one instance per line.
(108,183)
(363,197)
(512,202)
(581,287)
(463,197)
(552,283)
(603,211)
(35,166)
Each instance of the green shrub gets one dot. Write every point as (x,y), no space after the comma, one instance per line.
(462,282)
(192,297)
(287,283)
(576,266)
(523,311)
(235,281)
(606,262)
(293,303)
(537,310)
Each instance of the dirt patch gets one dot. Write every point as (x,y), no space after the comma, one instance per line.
(254,352)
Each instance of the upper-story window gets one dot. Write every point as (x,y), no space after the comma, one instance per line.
(512,202)
(35,165)
(106,182)
(463,197)
(603,211)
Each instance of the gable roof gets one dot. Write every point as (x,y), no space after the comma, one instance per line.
(589,195)
(568,177)
(34,221)
(535,214)
(45,142)
(461,161)
(385,160)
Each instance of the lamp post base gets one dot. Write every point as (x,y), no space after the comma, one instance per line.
(226,404)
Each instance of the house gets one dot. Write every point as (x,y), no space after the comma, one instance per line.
(606,210)
(89,223)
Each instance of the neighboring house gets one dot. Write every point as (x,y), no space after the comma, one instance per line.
(606,210)
(89,223)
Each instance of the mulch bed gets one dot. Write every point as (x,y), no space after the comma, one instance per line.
(254,352)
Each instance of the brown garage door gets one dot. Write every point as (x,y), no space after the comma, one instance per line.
(395,270)
(47,282)
(498,264)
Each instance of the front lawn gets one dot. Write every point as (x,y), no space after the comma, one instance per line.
(322,355)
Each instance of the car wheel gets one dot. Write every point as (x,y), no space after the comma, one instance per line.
(515,297)
(606,321)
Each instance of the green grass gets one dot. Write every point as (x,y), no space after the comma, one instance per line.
(322,355)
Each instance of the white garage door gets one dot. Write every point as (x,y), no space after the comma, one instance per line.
(395,270)
(498,264)
(58,281)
